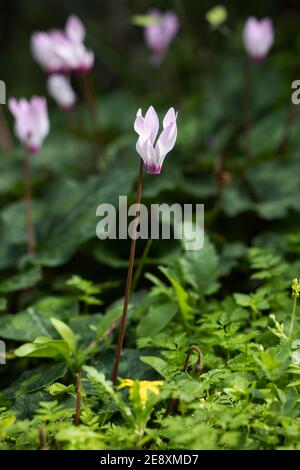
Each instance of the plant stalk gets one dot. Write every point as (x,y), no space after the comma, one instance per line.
(199,366)
(28,205)
(76,419)
(142,261)
(43,439)
(247,108)
(89,96)
(129,277)
(6,142)
(293,315)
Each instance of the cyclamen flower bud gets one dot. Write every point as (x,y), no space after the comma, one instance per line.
(151,149)
(59,87)
(31,122)
(161,32)
(258,37)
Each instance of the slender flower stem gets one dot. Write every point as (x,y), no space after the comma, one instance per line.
(43,439)
(76,419)
(293,314)
(197,350)
(199,367)
(247,108)
(129,276)
(293,114)
(89,96)
(6,142)
(28,205)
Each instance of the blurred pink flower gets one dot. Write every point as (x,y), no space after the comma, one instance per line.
(161,33)
(63,51)
(151,149)
(59,87)
(258,37)
(31,121)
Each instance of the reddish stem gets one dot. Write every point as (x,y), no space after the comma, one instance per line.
(247,108)
(43,439)
(76,419)
(6,142)
(89,96)
(28,205)
(129,277)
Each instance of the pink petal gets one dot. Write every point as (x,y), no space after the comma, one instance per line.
(169,118)
(75,29)
(152,123)
(167,140)
(140,126)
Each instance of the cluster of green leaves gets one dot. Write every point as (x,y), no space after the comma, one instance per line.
(246,395)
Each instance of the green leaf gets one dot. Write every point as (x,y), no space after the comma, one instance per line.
(58,388)
(158,317)
(15,327)
(21,281)
(74,222)
(181,295)
(158,364)
(200,268)
(108,320)
(45,347)
(36,379)
(66,333)
(143,20)
(3,303)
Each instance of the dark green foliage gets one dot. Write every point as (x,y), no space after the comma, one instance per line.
(60,309)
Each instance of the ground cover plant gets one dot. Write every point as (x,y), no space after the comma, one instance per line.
(211,337)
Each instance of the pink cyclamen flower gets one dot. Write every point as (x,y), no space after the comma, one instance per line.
(152,149)
(63,51)
(258,37)
(59,87)
(161,32)
(31,121)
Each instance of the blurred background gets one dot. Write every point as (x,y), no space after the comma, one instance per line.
(237,126)
(118,45)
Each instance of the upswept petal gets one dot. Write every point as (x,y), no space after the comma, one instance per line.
(141,127)
(59,87)
(75,29)
(167,140)
(152,123)
(169,118)
(171,25)
(40,113)
(43,51)
(141,148)
(13,106)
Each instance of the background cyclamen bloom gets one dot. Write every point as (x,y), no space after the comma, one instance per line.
(59,87)
(258,37)
(45,50)
(151,149)
(31,121)
(160,34)
(63,51)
